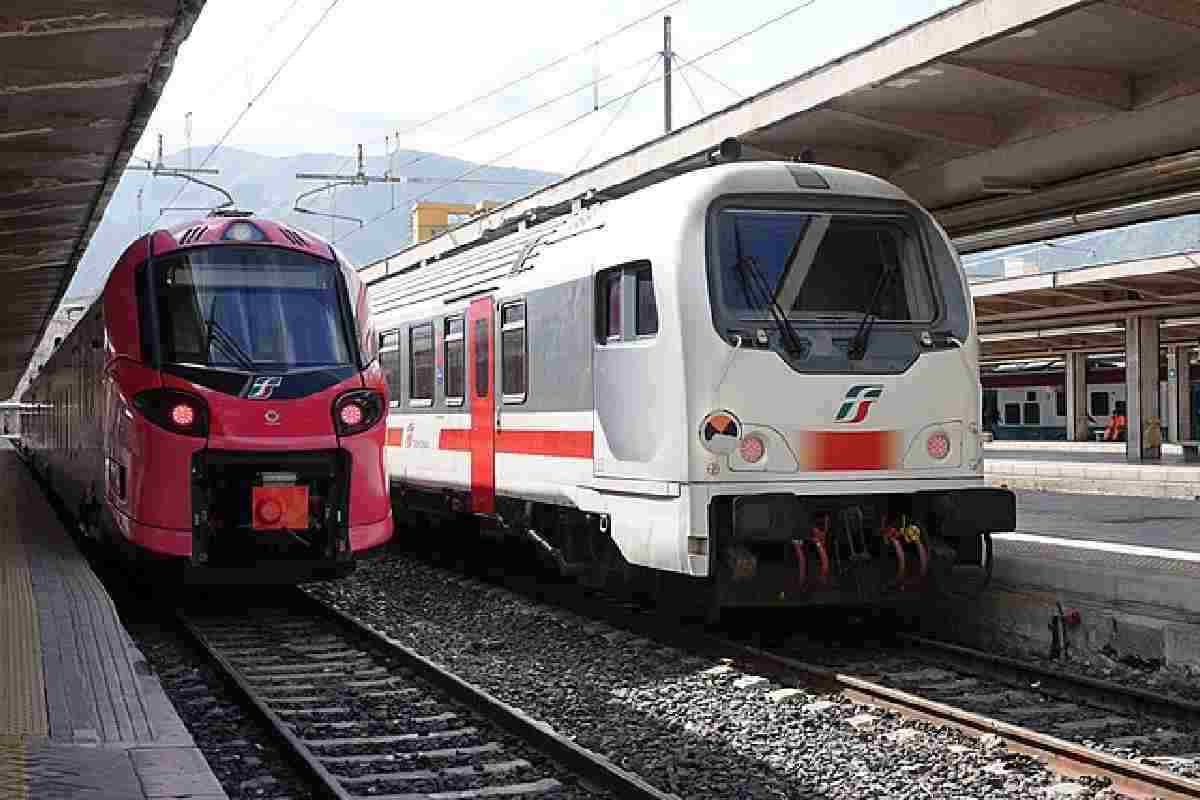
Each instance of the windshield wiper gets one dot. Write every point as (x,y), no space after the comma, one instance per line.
(222,337)
(862,337)
(748,269)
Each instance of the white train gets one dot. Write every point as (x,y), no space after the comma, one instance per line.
(1031,404)
(622,386)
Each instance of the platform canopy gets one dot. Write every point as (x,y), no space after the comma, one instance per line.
(78,82)
(1013,120)
(1084,309)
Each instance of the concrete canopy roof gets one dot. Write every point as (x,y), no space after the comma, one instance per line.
(1163,287)
(78,82)
(993,114)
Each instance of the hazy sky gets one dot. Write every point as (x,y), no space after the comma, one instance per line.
(378,66)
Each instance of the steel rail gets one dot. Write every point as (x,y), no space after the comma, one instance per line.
(592,767)
(1102,693)
(1062,756)
(299,752)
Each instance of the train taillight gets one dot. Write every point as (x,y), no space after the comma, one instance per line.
(357,411)
(938,445)
(177,412)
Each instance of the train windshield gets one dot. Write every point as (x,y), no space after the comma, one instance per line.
(820,266)
(248,308)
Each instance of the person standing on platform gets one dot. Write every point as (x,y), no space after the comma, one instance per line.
(1115,432)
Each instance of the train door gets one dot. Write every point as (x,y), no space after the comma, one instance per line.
(480,336)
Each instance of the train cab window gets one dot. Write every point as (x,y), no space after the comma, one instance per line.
(1012,413)
(389,359)
(420,365)
(1033,414)
(626,308)
(248,309)
(479,345)
(1100,404)
(646,310)
(452,343)
(513,354)
(610,316)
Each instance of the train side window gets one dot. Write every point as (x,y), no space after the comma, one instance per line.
(420,365)
(1033,414)
(389,360)
(1012,413)
(480,342)
(608,318)
(646,309)
(1100,404)
(514,357)
(455,361)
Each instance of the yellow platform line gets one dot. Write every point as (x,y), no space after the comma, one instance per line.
(22,683)
(14,780)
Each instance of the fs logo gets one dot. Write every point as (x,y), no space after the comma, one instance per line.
(858,403)
(263,388)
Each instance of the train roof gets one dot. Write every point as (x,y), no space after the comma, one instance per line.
(244,228)
(743,176)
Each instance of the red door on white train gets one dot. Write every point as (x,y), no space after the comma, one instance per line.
(480,327)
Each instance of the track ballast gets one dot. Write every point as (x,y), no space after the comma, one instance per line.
(367,717)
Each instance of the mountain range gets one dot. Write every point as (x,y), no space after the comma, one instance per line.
(268,186)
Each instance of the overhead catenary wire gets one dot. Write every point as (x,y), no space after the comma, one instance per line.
(258,96)
(559,61)
(693,65)
(493,127)
(692,89)
(612,120)
(254,56)
(558,129)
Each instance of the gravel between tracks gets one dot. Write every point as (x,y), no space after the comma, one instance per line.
(688,725)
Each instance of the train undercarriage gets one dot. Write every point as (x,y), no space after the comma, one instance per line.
(770,550)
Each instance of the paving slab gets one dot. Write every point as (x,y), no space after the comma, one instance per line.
(81,715)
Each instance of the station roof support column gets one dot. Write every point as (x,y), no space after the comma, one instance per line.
(1143,434)
(1075,385)
(1179,392)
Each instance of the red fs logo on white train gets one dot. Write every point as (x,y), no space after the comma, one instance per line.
(857,403)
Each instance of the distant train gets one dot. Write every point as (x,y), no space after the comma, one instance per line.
(221,405)
(1033,404)
(761,378)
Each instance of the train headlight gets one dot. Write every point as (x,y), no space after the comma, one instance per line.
(183,415)
(752,448)
(937,445)
(175,411)
(357,411)
(243,232)
(351,415)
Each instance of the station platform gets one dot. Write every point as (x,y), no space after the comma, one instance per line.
(1089,468)
(1096,578)
(81,716)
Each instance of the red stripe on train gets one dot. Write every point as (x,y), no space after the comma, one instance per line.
(561,444)
(556,444)
(837,451)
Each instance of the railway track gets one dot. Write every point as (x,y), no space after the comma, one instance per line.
(1075,737)
(366,716)
(1147,745)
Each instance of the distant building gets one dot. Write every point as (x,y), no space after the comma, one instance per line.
(431,219)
